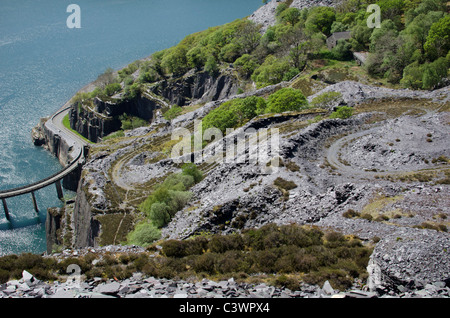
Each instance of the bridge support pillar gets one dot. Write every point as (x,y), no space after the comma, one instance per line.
(59,190)
(33,198)
(5,207)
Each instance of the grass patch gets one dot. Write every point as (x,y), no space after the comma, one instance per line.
(114,135)
(66,123)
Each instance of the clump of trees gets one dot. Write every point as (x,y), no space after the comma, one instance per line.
(411,48)
(237,112)
(165,201)
(411,51)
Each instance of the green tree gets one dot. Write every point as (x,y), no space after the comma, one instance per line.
(417,30)
(438,39)
(230,52)
(211,65)
(280,8)
(412,76)
(113,88)
(159,214)
(343,112)
(144,234)
(246,65)
(389,54)
(271,71)
(290,16)
(190,169)
(392,10)
(247,36)
(221,118)
(196,57)
(434,73)
(342,51)
(175,61)
(286,99)
(320,19)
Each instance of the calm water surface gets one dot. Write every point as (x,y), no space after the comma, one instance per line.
(43,64)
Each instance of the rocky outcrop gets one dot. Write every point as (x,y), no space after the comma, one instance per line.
(38,133)
(53,228)
(409,260)
(86,227)
(104,119)
(354,93)
(199,86)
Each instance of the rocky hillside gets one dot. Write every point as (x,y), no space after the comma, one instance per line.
(361,156)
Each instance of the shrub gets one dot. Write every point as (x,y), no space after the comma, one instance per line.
(367,216)
(196,57)
(326,100)
(211,66)
(172,112)
(4,276)
(205,263)
(113,88)
(171,196)
(338,278)
(221,244)
(286,99)
(190,169)
(181,181)
(175,60)
(342,51)
(144,234)
(284,184)
(343,112)
(174,248)
(246,65)
(159,214)
(286,282)
(292,166)
(234,113)
(350,213)
(132,122)
(271,72)
(113,135)
(177,200)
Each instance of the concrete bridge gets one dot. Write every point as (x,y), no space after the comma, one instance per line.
(77,146)
(31,188)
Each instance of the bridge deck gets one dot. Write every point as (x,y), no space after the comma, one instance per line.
(55,124)
(43,183)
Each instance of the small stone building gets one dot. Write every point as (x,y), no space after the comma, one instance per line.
(335,37)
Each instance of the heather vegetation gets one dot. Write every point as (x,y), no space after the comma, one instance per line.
(281,255)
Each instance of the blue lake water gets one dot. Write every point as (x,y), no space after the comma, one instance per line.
(43,63)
